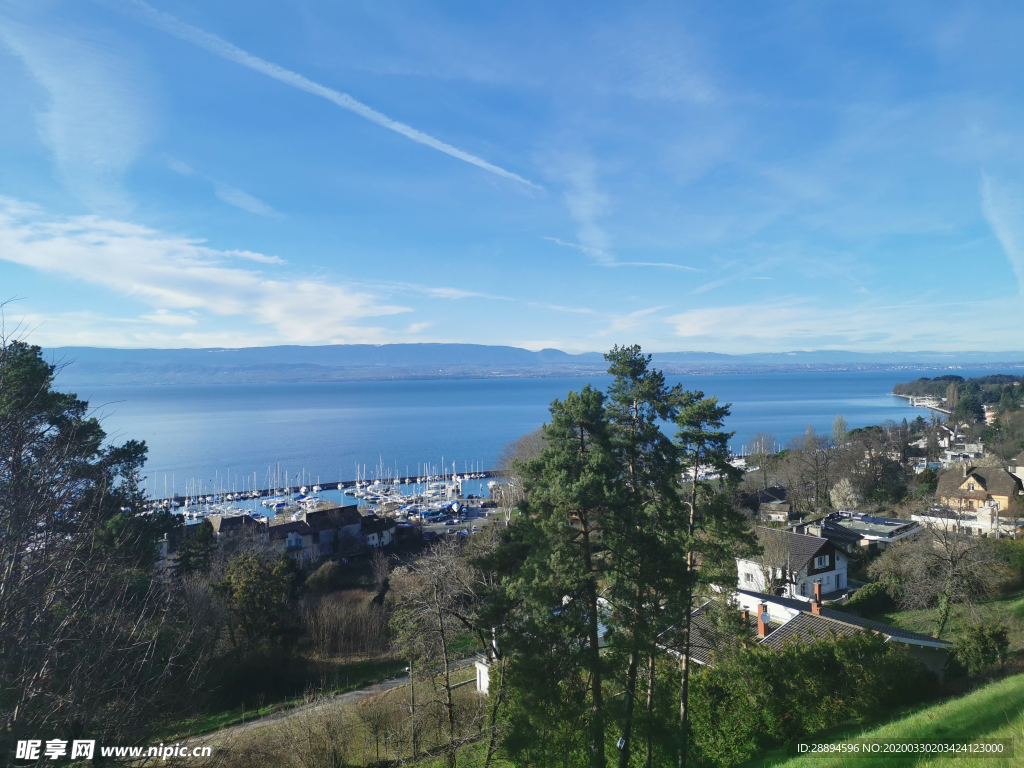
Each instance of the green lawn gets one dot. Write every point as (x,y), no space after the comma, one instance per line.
(1007,608)
(995,711)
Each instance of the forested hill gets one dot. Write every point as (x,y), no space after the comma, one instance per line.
(998,389)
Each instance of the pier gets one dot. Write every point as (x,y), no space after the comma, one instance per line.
(931,405)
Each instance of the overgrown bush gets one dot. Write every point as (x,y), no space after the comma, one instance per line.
(346,622)
(982,645)
(1011,553)
(771,697)
(870,600)
(324,579)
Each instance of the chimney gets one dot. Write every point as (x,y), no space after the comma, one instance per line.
(817,591)
(762,625)
(965,470)
(745,615)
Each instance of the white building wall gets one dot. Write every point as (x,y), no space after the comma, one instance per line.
(750,577)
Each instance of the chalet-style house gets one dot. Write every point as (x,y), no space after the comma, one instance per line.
(377,531)
(973,487)
(792,563)
(295,537)
(338,529)
(771,504)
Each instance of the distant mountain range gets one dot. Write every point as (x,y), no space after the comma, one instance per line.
(348,362)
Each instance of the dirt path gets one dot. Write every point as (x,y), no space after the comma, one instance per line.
(231,732)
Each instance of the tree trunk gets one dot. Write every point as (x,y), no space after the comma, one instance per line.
(493,738)
(650,707)
(596,695)
(684,683)
(631,682)
(449,702)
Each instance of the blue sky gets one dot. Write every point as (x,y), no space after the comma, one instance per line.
(728,177)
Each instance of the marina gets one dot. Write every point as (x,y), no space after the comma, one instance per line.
(426,498)
(252,442)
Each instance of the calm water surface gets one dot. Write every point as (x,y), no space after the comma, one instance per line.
(326,430)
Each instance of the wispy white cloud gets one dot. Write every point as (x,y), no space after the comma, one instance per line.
(96,122)
(606,260)
(253,256)
(180,277)
(163,317)
(225,192)
(446,292)
(239,199)
(179,167)
(587,204)
(572,310)
(791,323)
(629,323)
(456,293)
(1003,206)
(226,50)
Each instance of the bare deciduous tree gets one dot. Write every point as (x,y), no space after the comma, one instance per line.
(941,568)
(844,496)
(774,560)
(433,597)
(763,450)
(91,636)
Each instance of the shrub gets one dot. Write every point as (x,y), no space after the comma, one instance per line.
(324,579)
(346,622)
(982,645)
(870,600)
(1011,553)
(771,697)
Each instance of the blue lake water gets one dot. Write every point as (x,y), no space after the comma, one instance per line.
(326,430)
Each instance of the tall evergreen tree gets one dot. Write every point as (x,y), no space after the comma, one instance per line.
(717,531)
(557,671)
(642,538)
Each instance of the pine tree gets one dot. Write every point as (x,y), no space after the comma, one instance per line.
(717,531)
(557,672)
(644,556)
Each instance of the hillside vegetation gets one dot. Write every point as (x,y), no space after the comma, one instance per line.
(994,711)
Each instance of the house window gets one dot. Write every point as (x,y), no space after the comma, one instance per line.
(748,577)
(821,562)
(970,486)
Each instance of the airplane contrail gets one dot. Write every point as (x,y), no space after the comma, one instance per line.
(226,50)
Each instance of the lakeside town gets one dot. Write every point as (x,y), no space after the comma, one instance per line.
(511,385)
(397,621)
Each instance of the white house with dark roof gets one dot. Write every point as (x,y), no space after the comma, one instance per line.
(790,620)
(779,620)
(1016,467)
(795,562)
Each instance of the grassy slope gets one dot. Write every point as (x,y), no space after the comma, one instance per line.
(358,674)
(995,711)
(1007,608)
